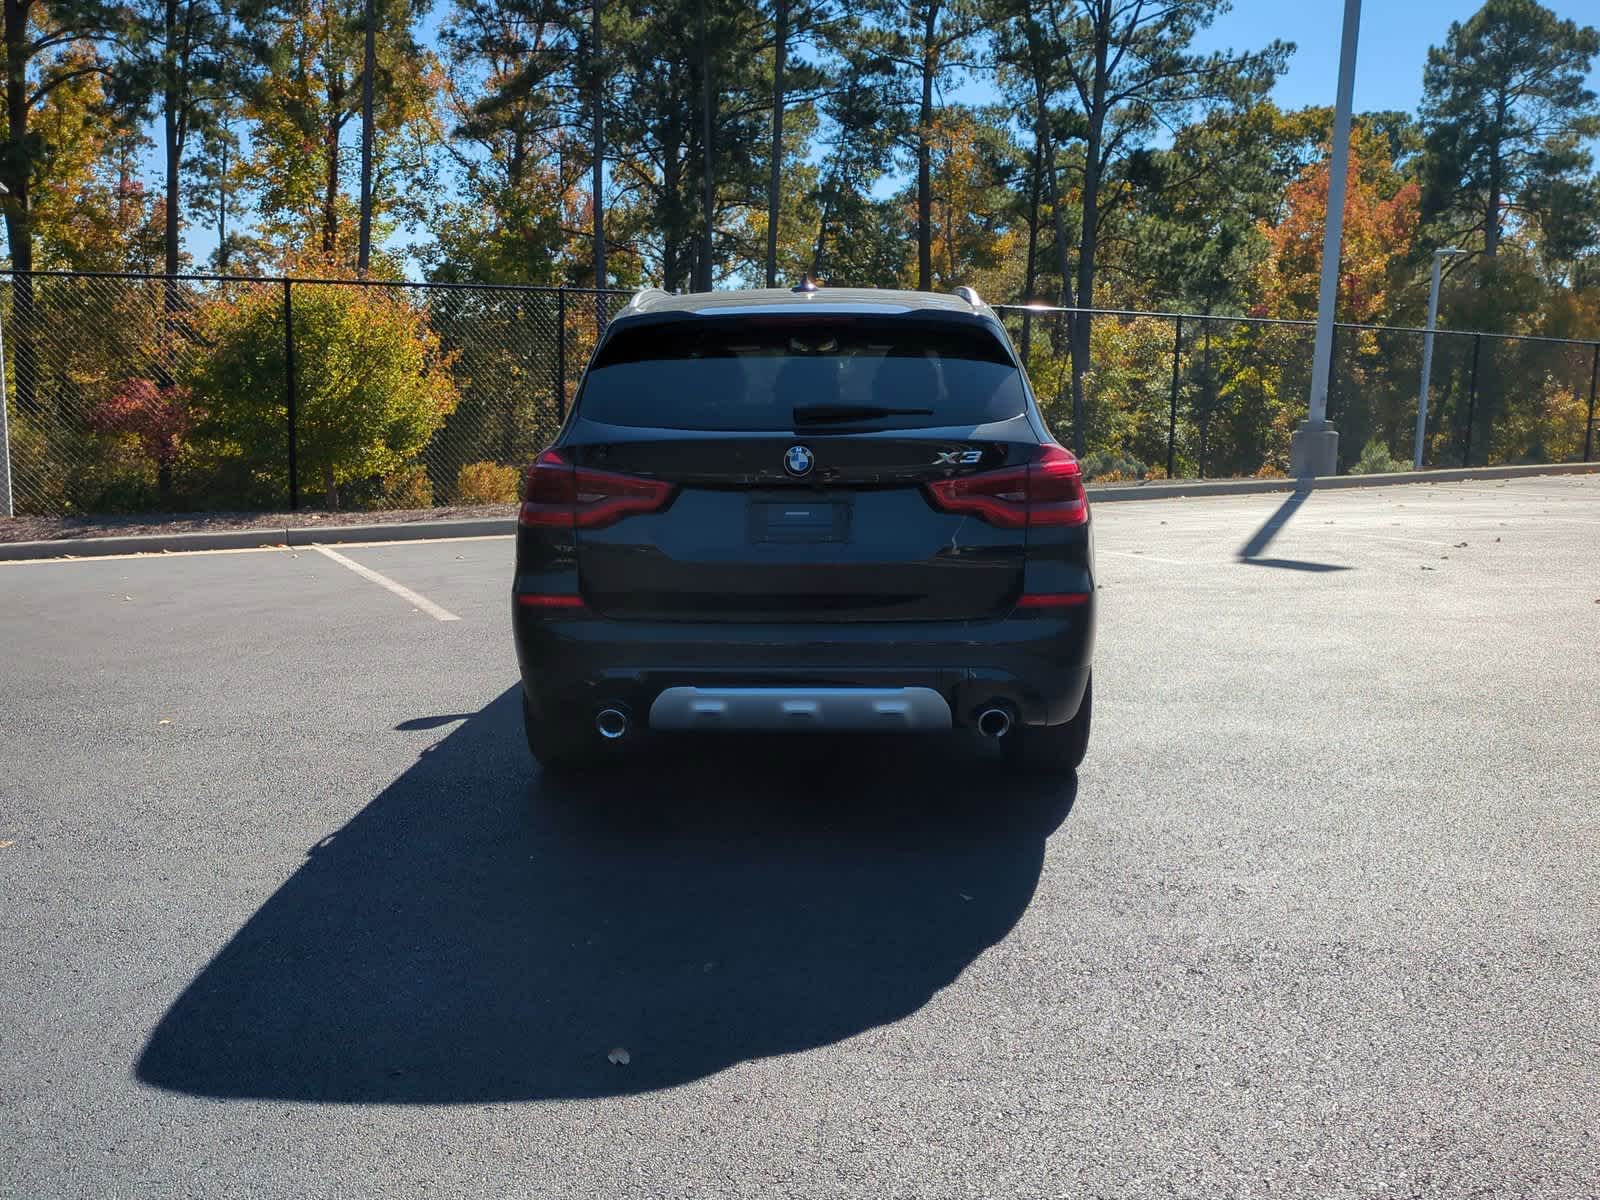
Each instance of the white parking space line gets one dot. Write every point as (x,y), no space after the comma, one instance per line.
(437,541)
(1531,495)
(383,581)
(95,558)
(1547,517)
(1403,541)
(277,548)
(1171,562)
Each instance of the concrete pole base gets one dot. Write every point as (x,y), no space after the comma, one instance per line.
(1314,450)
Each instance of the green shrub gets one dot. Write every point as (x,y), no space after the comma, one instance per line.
(371,386)
(210,481)
(486,483)
(1111,468)
(409,487)
(1376,459)
(121,493)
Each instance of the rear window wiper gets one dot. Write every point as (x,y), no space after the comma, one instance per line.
(828,414)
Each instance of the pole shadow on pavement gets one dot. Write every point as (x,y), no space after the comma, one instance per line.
(1251,552)
(478,933)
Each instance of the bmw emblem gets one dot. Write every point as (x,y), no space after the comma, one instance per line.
(799,460)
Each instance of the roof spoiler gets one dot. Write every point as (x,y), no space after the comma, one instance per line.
(638,298)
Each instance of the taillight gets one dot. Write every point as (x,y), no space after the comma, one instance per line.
(1052,599)
(550,601)
(556,493)
(1048,491)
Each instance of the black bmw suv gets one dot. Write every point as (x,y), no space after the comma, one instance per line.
(818,510)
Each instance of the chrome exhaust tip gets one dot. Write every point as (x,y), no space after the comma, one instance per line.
(611,724)
(994,722)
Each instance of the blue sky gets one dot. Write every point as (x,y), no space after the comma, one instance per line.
(1393,47)
(1395,36)
(1390,54)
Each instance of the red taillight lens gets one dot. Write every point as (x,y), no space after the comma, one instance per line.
(555,493)
(549,492)
(1048,491)
(550,602)
(1055,489)
(1053,600)
(998,497)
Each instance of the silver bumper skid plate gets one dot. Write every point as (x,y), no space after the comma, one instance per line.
(910,709)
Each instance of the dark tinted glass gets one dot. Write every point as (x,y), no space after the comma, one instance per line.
(754,374)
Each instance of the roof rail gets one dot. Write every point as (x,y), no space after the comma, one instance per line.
(970,295)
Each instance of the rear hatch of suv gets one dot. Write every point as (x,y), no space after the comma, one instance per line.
(815,467)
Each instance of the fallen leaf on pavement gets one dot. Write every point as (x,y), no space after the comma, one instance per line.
(618,1056)
(8,842)
(164,721)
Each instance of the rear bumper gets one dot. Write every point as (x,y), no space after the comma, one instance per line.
(1037,666)
(778,709)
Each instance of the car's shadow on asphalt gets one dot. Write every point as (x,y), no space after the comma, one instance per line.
(478,933)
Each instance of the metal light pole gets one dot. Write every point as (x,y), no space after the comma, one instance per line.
(1314,448)
(1427,357)
(5,421)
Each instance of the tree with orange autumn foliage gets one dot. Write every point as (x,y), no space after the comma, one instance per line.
(1368,396)
(1381,216)
(969,202)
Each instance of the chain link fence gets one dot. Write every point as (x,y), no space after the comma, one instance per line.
(1195,395)
(136,393)
(141,393)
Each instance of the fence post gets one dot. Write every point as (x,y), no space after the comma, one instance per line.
(561,354)
(289,397)
(1172,421)
(1208,393)
(5,433)
(1472,400)
(1588,430)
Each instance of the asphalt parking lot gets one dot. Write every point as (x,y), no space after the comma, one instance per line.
(285,909)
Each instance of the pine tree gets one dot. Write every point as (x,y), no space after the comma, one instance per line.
(304,108)
(45,50)
(182,64)
(1506,111)
(1131,69)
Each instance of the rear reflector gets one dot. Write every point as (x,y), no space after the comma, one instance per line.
(1053,600)
(548,601)
(555,494)
(1048,491)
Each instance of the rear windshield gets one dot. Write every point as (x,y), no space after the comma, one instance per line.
(783,374)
